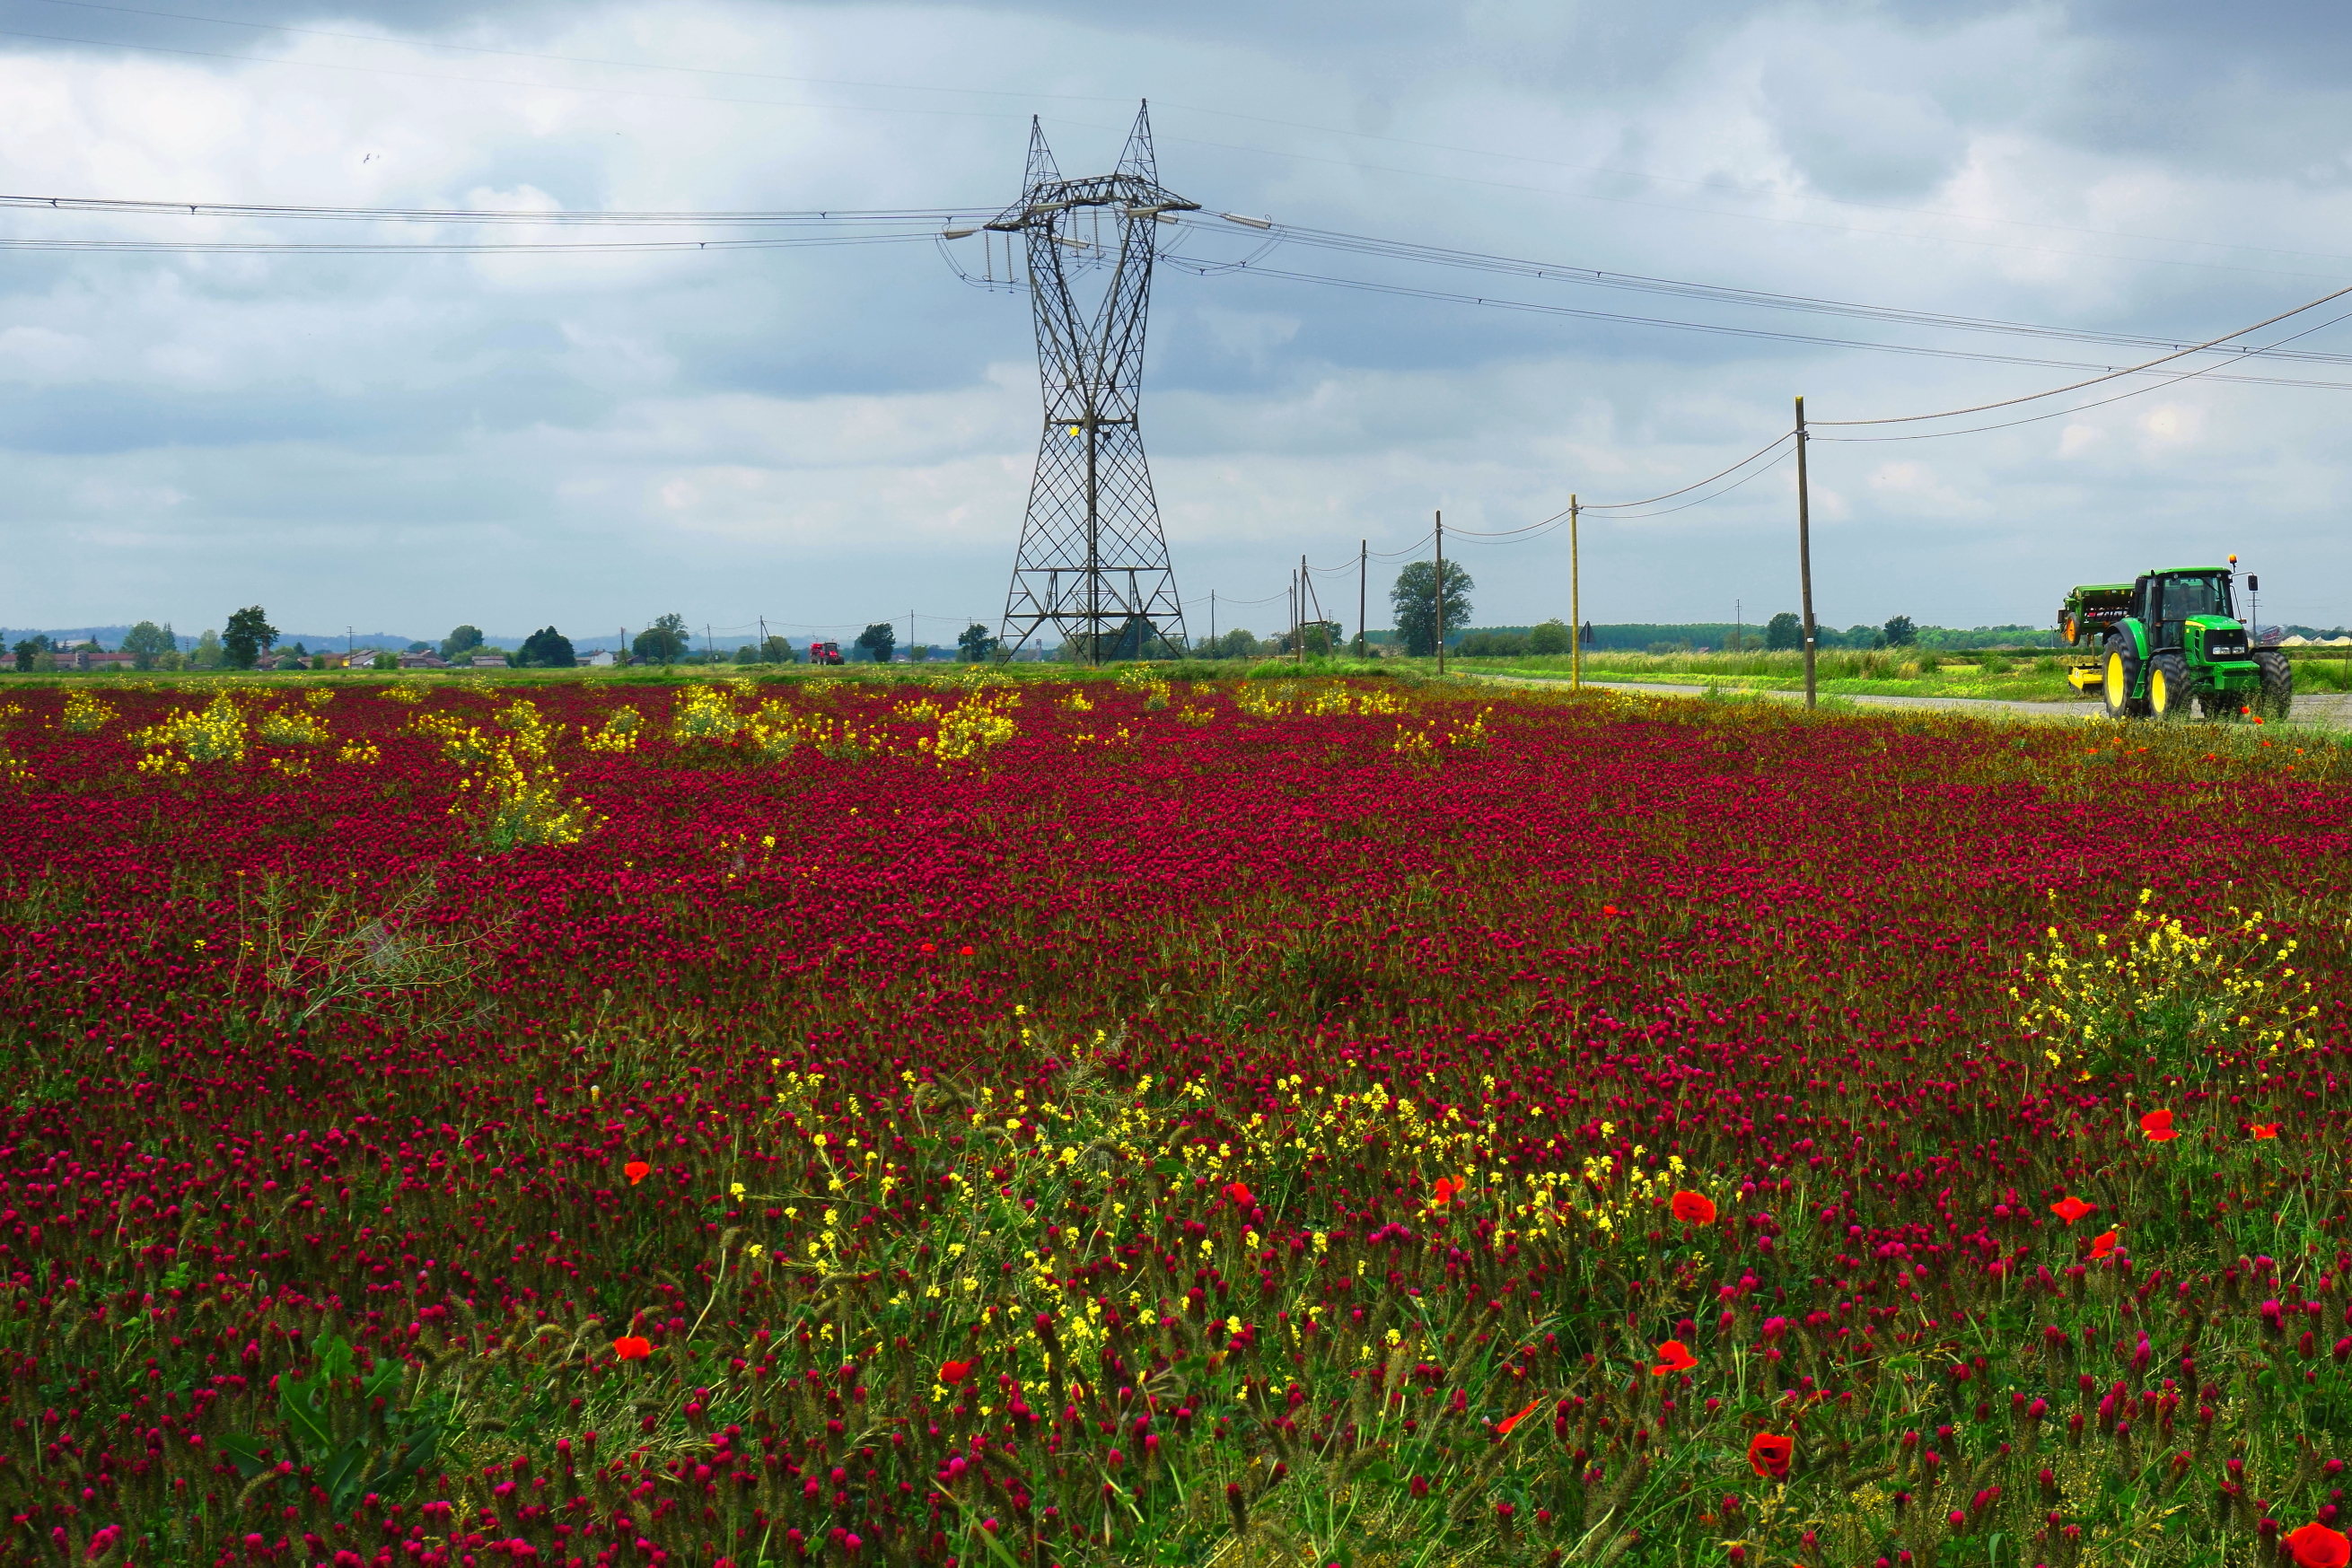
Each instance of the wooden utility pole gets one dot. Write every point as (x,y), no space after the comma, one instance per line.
(1805,550)
(1575,604)
(1363,578)
(1441,593)
(1302,609)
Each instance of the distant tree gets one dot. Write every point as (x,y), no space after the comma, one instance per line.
(880,641)
(386,661)
(28,652)
(418,648)
(209,654)
(777,651)
(664,641)
(462,640)
(747,655)
(147,641)
(1551,637)
(547,648)
(298,651)
(1783,631)
(1414,600)
(248,636)
(977,645)
(1494,645)
(1900,633)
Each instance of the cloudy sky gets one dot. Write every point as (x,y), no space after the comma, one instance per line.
(826,436)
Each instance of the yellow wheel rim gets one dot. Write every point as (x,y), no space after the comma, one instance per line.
(2159,694)
(2116,680)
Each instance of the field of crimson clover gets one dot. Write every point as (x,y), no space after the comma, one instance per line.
(1147,1122)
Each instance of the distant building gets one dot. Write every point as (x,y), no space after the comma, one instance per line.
(602,658)
(489,661)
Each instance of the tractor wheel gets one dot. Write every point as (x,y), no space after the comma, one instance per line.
(2170,696)
(2277,696)
(2122,675)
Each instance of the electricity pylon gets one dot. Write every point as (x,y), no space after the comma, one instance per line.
(1093,561)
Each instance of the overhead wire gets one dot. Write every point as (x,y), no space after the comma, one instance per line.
(2053,414)
(2094,381)
(453,247)
(1450,256)
(1725,330)
(149,206)
(1709,185)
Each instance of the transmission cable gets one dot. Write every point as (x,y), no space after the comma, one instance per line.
(1441,255)
(1766,334)
(2095,381)
(2059,413)
(753,216)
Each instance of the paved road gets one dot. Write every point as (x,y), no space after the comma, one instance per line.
(2333,710)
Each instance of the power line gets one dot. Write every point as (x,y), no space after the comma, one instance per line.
(1719,329)
(2054,413)
(754,216)
(1441,255)
(1613,172)
(2129,371)
(453,247)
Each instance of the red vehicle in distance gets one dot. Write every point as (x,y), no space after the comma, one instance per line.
(824,652)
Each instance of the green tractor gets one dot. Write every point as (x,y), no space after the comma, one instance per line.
(2171,644)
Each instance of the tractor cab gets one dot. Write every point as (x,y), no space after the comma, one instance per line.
(2179,648)
(2190,606)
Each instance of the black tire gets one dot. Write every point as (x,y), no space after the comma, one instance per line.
(2121,668)
(2276,699)
(2170,696)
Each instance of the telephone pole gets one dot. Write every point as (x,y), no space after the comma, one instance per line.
(1575,604)
(1363,576)
(1440,592)
(1805,551)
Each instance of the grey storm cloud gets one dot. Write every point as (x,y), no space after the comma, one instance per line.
(828,436)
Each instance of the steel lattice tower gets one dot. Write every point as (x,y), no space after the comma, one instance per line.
(1093,561)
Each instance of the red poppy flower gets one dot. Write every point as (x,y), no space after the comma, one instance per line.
(953,1373)
(965,952)
(2316,1546)
(636,1171)
(1240,1194)
(1445,1190)
(1768,1455)
(2102,1245)
(2264,1129)
(1674,1356)
(1502,1427)
(632,1347)
(1607,909)
(1693,1208)
(929,948)
(2157,1125)
(2071,1209)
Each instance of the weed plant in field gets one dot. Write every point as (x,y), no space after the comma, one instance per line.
(1156,1121)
